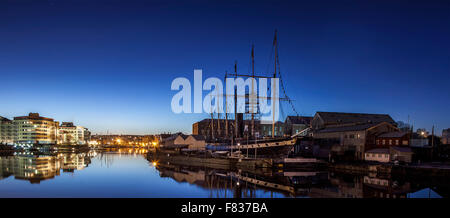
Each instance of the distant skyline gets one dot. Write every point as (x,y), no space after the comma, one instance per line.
(108,65)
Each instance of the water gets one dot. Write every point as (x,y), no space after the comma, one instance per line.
(128,173)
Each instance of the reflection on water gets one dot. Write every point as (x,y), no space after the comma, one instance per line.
(128,173)
(309,184)
(35,168)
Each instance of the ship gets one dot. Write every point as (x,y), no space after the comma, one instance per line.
(239,137)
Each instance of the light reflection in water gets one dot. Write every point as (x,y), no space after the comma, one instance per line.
(129,173)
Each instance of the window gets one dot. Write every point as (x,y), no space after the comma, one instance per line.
(397,142)
(384,142)
(390,141)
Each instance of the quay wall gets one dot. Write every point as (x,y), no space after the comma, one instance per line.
(213,162)
(383,169)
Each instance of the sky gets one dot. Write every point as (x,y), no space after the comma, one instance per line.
(108,65)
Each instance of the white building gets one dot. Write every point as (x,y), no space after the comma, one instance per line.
(8,131)
(378,155)
(69,134)
(34,129)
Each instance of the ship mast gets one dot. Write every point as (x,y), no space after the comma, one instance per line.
(212,125)
(274,76)
(253,78)
(226,111)
(235,105)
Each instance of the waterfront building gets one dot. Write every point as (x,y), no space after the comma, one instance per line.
(446,136)
(163,136)
(213,129)
(265,129)
(206,126)
(120,140)
(176,141)
(393,139)
(395,147)
(378,155)
(195,142)
(34,129)
(401,153)
(350,134)
(295,124)
(8,131)
(393,153)
(69,134)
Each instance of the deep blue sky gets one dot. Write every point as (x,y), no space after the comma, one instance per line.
(108,65)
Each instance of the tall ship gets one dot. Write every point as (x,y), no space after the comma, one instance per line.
(246,134)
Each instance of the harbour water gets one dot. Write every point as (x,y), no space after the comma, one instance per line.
(130,173)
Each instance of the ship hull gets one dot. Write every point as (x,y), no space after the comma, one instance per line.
(266,152)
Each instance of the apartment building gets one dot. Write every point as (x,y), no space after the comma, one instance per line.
(34,129)
(7,131)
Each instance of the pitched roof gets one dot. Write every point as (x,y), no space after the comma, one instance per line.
(207,120)
(299,119)
(174,136)
(198,137)
(348,128)
(4,119)
(341,118)
(393,135)
(379,151)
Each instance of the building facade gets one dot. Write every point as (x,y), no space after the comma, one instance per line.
(351,133)
(34,129)
(393,153)
(8,131)
(265,130)
(195,142)
(389,139)
(214,127)
(296,124)
(217,128)
(69,134)
(377,155)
